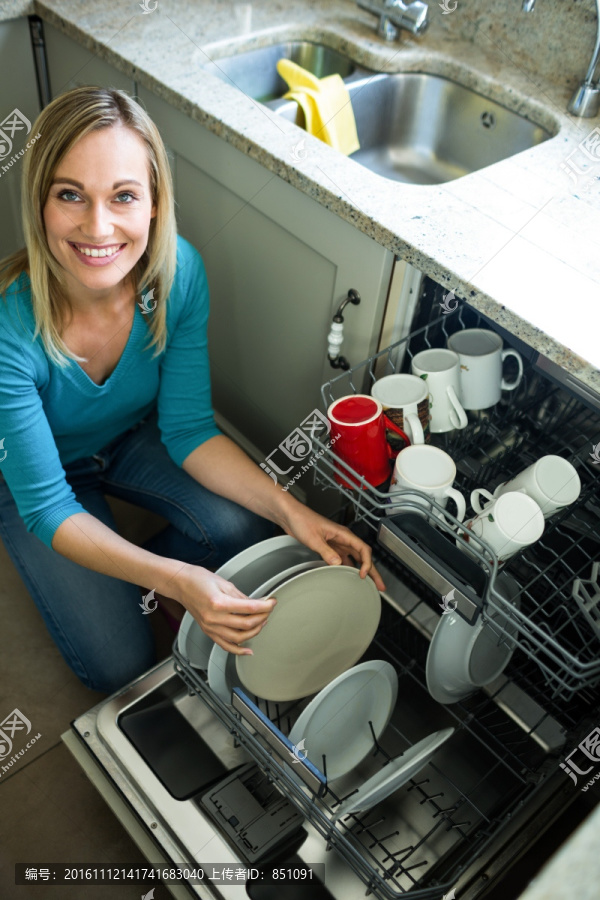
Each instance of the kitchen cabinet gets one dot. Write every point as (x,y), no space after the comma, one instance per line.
(278,264)
(71,65)
(18,90)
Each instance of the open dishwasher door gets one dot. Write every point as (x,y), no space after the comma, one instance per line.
(521,742)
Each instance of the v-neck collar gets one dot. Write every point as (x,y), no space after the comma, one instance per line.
(83,380)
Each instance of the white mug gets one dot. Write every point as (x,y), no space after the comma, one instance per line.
(429,470)
(551,481)
(405,400)
(440,370)
(509,523)
(481,357)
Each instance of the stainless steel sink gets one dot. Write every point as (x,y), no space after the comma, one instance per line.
(425,129)
(255,72)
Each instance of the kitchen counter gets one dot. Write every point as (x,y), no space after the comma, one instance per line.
(515,239)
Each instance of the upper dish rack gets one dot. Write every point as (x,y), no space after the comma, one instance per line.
(536,419)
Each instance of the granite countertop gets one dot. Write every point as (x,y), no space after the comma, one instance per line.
(517,239)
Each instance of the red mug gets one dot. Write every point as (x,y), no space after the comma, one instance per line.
(358,426)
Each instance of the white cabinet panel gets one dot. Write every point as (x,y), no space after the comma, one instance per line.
(18,91)
(71,65)
(278,264)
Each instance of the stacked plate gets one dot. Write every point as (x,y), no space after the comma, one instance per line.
(324,620)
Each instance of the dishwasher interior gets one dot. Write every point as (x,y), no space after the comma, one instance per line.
(221,781)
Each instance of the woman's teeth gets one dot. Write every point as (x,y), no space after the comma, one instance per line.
(103,251)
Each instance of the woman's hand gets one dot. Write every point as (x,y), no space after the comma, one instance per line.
(334,543)
(224,613)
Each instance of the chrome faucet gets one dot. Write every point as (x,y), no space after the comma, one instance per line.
(395,15)
(585,102)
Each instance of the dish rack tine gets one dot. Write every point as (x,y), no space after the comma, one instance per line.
(588,600)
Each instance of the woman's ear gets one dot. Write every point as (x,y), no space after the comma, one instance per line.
(153,211)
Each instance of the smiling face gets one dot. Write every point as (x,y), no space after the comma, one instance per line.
(98,212)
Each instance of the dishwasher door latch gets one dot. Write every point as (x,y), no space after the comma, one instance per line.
(335,337)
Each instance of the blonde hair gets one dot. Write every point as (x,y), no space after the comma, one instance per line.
(66,120)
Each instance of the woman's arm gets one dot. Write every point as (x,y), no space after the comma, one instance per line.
(225,614)
(222,467)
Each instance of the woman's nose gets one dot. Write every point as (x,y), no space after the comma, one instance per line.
(97,222)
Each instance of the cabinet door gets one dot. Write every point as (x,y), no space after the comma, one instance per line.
(279,264)
(71,65)
(19,105)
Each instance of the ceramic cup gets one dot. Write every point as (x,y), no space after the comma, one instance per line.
(551,481)
(507,524)
(405,400)
(358,426)
(429,470)
(440,370)
(481,358)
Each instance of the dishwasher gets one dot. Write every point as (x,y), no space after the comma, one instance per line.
(215,780)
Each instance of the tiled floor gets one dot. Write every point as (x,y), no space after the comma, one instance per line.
(49,811)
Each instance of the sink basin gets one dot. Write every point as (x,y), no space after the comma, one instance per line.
(425,129)
(255,72)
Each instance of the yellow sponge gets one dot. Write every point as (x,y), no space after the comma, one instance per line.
(326,105)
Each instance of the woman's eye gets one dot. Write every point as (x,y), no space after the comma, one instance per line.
(126,197)
(68,195)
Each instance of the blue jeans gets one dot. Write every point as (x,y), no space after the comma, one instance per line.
(94,619)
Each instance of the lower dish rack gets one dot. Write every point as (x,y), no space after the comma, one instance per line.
(536,419)
(421,839)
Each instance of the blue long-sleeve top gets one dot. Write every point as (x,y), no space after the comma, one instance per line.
(51,416)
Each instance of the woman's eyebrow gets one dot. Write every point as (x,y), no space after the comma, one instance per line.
(78,184)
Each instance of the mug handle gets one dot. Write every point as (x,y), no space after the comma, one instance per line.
(475,501)
(457,415)
(416,429)
(459,500)
(506,386)
(393,427)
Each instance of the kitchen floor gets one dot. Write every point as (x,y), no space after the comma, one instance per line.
(50,811)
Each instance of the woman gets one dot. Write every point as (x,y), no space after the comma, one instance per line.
(104,389)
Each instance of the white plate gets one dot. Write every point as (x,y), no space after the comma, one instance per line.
(336,722)
(222,675)
(253,566)
(193,644)
(323,622)
(393,775)
(465,657)
(270,558)
(278,580)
